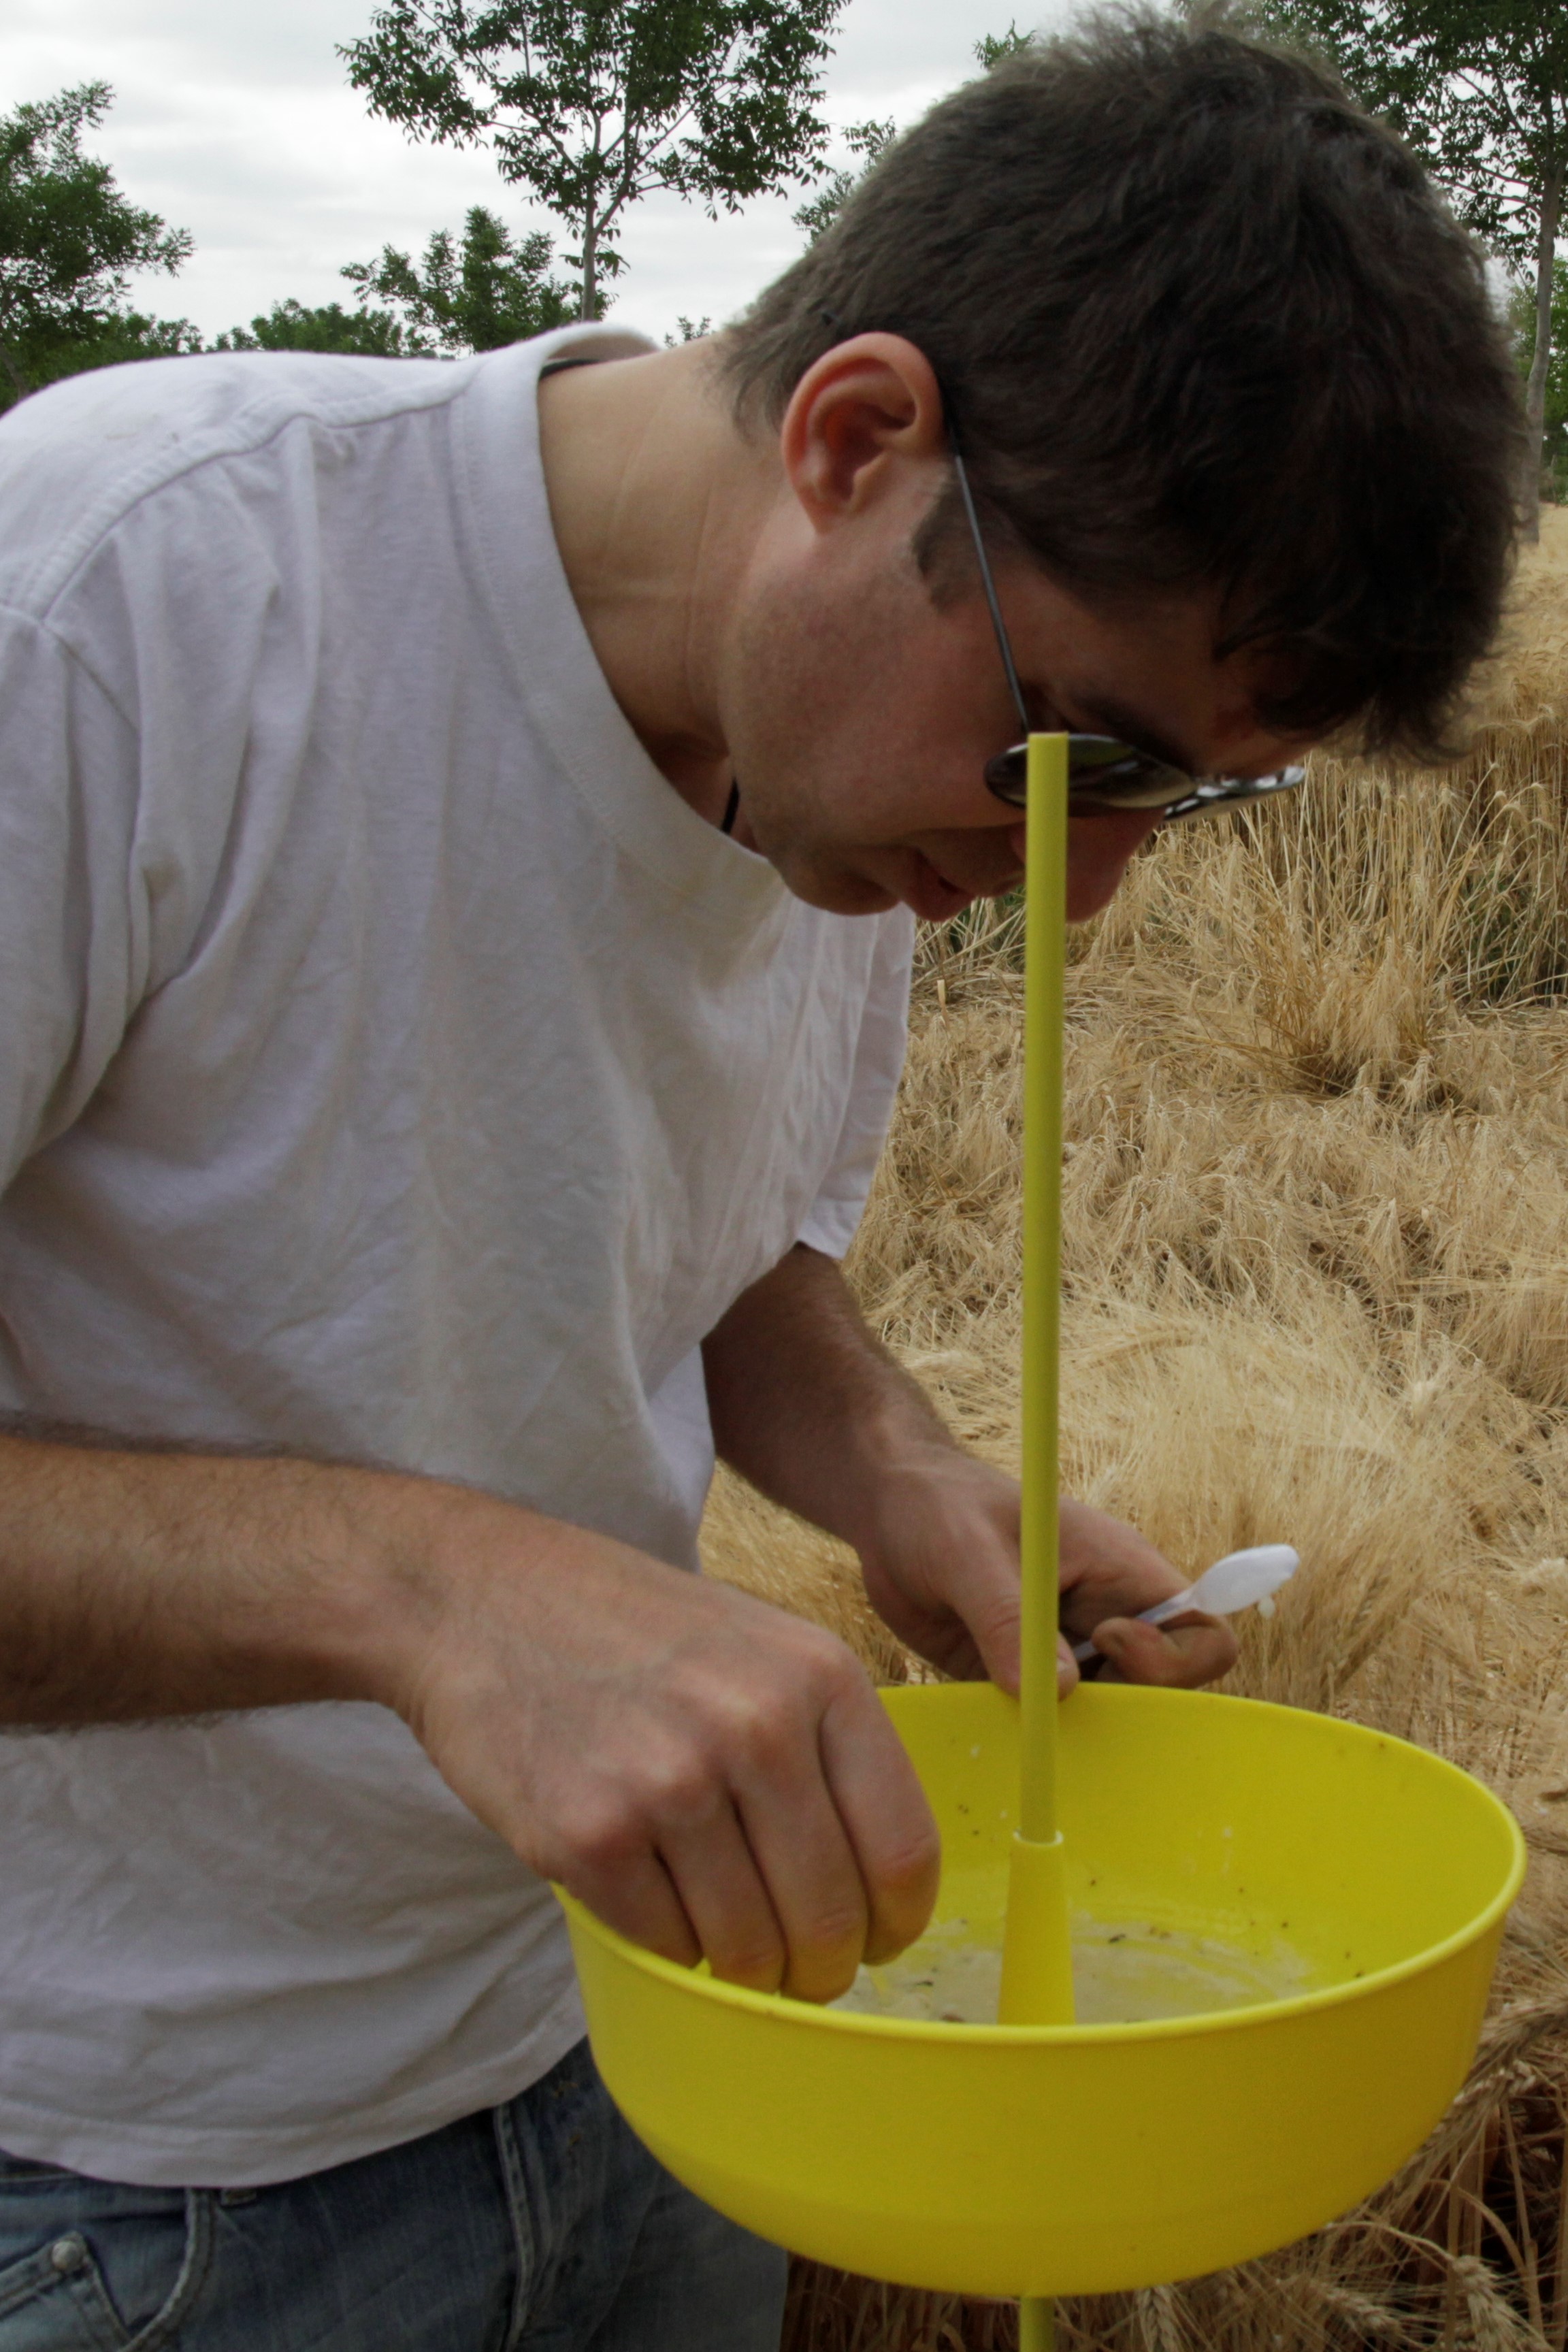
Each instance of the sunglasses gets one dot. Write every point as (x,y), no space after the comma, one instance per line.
(1105,775)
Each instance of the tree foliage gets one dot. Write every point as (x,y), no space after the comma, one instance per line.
(870,140)
(467,294)
(992,47)
(474,295)
(867,140)
(590,104)
(69,241)
(291,326)
(1480,88)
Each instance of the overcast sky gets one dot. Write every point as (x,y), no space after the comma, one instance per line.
(234,119)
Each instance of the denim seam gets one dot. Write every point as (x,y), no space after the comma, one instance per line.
(192,2275)
(520,2214)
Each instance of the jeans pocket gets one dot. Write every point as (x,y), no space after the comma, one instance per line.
(108,2270)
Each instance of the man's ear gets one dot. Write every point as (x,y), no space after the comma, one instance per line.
(862,412)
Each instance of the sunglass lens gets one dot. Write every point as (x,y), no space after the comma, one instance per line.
(1102,773)
(1105,775)
(1108,775)
(1007,776)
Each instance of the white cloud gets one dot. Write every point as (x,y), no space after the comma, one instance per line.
(237,122)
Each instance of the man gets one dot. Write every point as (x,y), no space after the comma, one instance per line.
(461,826)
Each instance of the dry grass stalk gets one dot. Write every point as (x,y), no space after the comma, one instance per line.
(1316,1289)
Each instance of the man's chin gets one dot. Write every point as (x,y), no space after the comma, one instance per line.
(869,882)
(932,896)
(908,877)
(836,889)
(877,881)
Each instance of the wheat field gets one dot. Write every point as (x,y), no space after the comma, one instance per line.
(1315,1291)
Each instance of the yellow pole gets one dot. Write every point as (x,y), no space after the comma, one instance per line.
(1036,2325)
(1037,1956)
(1036,1964)
(1043,1024)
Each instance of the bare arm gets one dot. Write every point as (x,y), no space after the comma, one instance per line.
(135,1584)
(712,1776)
(808,1405)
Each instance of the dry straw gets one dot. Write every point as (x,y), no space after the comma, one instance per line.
(1316,1290)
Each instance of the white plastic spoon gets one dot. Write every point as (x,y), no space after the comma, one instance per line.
(1236,1581)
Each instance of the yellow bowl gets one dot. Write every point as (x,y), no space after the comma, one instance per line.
(1363,1876)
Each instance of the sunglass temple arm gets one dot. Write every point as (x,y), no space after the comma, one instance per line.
(1003,649)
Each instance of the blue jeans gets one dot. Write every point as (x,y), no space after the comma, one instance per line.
(543,2226)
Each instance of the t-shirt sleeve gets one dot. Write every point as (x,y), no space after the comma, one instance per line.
(74,940)
(836,1212)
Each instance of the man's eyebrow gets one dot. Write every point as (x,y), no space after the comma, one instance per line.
(1113,718)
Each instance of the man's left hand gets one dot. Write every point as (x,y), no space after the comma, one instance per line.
(941,1564)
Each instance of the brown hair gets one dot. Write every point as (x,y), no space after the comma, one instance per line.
(1202,324)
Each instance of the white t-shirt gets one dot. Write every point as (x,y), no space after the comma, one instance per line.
(394,1069)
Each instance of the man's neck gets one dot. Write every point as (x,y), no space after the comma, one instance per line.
(654,496)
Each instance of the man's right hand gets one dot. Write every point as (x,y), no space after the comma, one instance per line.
(713,1778)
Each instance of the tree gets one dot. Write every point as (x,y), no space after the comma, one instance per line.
(593,103)
(1555,449)
(68,244)
(490,289)
(291,326)
(121,336)
(1480,88)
